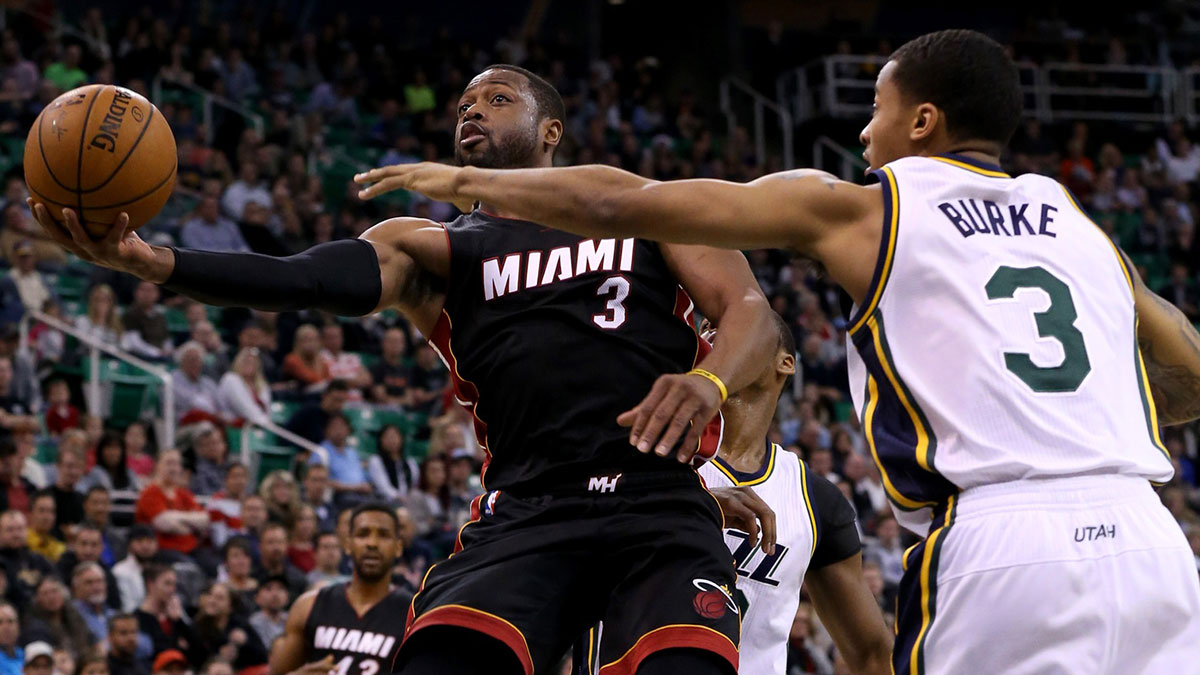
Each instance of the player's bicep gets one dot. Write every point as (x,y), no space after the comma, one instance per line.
(414,261)
(290,650)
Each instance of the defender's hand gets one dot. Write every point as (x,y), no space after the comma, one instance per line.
(744,510)
(121,249)
(434,180)
(677,404)
(322,667)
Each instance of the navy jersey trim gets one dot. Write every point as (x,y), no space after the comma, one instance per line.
(887,247)
(742,478)
(972,165)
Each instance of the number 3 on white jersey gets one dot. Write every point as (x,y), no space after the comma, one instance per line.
(614,314)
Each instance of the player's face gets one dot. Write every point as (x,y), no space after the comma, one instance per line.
(886,136)
(497,122)
(373,545)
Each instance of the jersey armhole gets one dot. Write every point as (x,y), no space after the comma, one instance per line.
(1116,251)
(887,248)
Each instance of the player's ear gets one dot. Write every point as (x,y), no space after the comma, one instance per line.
(552,131)
(927,118)
(786,364)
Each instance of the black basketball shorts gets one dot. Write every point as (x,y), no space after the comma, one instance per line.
(642,553)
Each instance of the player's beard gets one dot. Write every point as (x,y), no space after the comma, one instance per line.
(510,151)
(385,570)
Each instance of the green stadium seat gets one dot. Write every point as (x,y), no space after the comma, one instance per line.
(282,411)
(70,287)
(273,458)
(47,451)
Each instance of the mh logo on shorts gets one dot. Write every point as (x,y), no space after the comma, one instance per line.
(604,483)
(713,599)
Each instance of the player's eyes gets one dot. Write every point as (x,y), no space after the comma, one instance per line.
(463,108)
(499,97)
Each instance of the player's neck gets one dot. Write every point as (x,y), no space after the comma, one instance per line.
(364,594)
(981,152)
(747,420)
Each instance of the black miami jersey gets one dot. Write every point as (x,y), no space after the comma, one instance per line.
(548,337)
(360,645)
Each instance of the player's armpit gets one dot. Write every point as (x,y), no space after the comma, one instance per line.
(1170,349)
(414,262)
(850,613)
(290,650)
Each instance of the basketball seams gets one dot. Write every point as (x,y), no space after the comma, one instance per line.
(87,116)
(139,197)
(115,171)
(42,147)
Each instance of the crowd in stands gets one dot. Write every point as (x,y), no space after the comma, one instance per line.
(161,552)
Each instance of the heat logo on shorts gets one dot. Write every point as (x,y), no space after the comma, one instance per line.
(713,600)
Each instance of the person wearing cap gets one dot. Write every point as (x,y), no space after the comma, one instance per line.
(39,658)
(170,662)
(143,549)
(30,285)
(271,617)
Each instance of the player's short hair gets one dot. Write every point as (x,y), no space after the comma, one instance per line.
(787,339)
(966,74)
(549,101)
(379,507)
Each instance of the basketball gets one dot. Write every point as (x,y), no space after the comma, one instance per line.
(101,150)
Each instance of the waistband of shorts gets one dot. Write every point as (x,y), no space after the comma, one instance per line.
(1066,492)
(603,483)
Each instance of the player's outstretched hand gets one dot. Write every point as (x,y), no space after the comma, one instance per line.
(322,667)
(121,249)
(434,180)
(678,406)
(744,510)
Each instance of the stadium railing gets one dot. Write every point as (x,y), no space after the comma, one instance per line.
(733,95)
(842,86)
(207,101)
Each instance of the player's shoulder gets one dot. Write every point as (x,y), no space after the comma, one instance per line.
(393,228)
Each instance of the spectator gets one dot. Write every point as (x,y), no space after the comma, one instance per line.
(68,502)
(12,655)
(53,619)
(170,662)
(90,590)
(194,391)
(310,420)
(39,658)
(168,506)
(243,392)
(208,230)
(225,505)
(60,414)
(246,189)
(429,380)
(300,544)
(146,333)
(92,663)
(803,655)
(15,490)
(428,502)
(391,373)
(873,577)
(216,362)
(102,321)
(66,73)
(1180,290)
(219,630)
(216,666)
(123,646)
(86,547)
(304,364)
(275,561)
(49,343)
(31,286)
(271,618)
(1181,160)
(391,472)
(282,495)
(328,558)
(820,460)
(316,495)
(238,569)
(343,365)
(112,469)
(130,572)
(886,550)
(211,461)
(31,469)
(23,568)
(97,506)
(346,474)
(137,451)
(460,486)
(160,616)
(41,528)
(254,519)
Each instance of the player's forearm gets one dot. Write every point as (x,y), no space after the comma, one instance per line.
(1170,349)
(746,339)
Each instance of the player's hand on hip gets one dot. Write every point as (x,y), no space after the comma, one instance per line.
(744,510)
(678,406)
(322,667)
(121,249)
(434,180)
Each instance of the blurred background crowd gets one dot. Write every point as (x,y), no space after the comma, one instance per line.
(119,541)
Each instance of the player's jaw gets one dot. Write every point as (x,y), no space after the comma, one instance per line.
(371,565)
(492,146)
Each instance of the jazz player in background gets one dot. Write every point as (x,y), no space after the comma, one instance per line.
(552,341)
(352,628)
(814,540)
(995,357)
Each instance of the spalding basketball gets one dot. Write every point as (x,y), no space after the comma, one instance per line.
(101,150)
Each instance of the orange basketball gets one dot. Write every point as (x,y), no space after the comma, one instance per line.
(101,150)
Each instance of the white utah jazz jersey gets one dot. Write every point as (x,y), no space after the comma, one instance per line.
(768,587)
(997,341)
